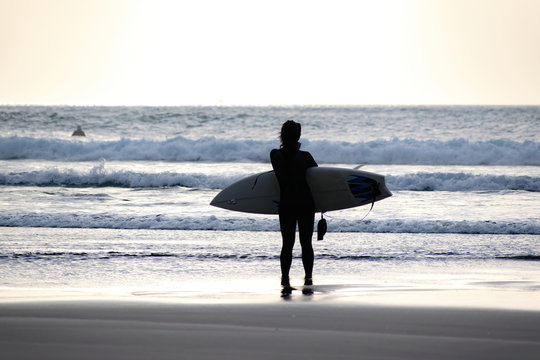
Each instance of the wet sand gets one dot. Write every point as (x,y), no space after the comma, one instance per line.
(148,325)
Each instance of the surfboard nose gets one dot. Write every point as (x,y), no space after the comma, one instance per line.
(217,200)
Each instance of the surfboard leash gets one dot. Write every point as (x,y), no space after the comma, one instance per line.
(371,208)
(375,192)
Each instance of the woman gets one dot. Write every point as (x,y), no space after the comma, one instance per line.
(296,201)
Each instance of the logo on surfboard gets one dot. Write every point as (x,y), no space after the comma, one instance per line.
(363,188)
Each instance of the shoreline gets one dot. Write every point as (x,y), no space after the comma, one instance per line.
(495,295)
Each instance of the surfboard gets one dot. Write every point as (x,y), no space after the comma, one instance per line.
(332,188)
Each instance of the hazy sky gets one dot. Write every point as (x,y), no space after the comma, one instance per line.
(161,52)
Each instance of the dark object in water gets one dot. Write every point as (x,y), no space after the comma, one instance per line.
(78,132)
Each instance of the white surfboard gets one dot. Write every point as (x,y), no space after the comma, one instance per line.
(332,189)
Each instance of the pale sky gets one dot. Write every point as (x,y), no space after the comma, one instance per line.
(259,52)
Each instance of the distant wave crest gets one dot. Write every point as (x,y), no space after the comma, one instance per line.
(396,151)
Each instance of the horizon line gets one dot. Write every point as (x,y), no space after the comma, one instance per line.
(265,105)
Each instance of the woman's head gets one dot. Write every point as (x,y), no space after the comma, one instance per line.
(290,133)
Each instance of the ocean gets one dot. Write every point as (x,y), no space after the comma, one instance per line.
(127,206)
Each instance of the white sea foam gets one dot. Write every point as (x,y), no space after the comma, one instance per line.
(113,221)
(99,176)
(462,182)
(209,148)
(102,178)
(396,151)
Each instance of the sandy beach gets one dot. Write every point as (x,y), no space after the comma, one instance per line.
(151,181)
(109,248)
(303,327)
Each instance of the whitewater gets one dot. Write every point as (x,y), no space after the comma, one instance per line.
(396,151)
(134,193)
(101,176)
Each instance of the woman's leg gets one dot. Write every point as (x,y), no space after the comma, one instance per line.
(287,224)
(305,228)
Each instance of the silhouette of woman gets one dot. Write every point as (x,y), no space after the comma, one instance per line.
(296,201)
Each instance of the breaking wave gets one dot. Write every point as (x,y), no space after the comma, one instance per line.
(99,176)
(164,222)
(396,151)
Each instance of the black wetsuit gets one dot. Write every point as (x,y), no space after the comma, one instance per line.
(296,205)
